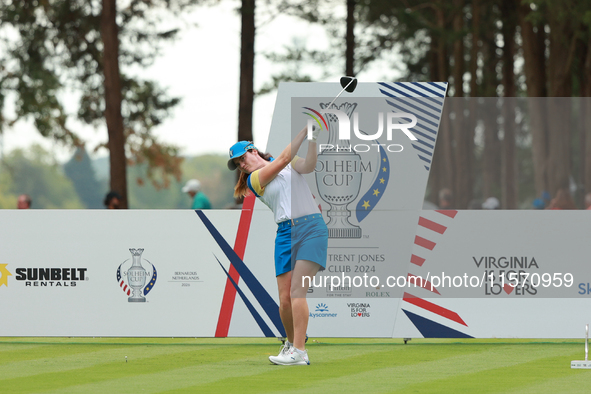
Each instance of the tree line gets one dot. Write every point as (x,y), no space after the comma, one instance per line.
(82,182)
(538,49)
(483,48)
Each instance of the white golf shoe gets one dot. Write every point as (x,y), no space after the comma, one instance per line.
(292,357)
(285,349)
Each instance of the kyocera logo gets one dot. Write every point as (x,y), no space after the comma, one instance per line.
(390,120)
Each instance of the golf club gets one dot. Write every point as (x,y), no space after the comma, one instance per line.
(349,84)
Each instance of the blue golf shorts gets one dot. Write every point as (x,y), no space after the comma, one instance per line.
(304,238)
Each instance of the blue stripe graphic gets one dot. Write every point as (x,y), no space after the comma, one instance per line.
(406,110)
(264,299)
(424,135)
(150,285)
(423,111)
(371,198)
(431,329)
(426,144)
(438,85)
(418,92)
(422,85)
(422,150)
(426,129)
(431,111)
(423,100)
(405,94)
(263,326)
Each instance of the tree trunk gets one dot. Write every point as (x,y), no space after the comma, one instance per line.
(586,104)
(245,104)
(474,49)
(442,61)
(444,148)
(474,94)
(350,40)
(533,46)
(434,182)
(559,152)
(586,111)
(562,51)
(509,195)
(491,155)
(458,48)
(246,100)
(463,136)
(113,98)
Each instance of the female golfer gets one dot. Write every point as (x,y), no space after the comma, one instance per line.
(302,236)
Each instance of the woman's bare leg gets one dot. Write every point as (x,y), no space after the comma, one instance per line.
(300,283)
(285,306)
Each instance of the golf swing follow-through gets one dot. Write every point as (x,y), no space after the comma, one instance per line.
(302,236)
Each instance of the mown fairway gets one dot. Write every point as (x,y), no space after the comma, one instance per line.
(228,365)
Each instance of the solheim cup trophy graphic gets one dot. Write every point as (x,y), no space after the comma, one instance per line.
(338,177)
(136,276)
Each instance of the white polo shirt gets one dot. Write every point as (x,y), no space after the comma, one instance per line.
(287,195)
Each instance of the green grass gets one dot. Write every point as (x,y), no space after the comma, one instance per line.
(232,365)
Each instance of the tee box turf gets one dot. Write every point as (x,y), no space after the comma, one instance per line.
(583,364)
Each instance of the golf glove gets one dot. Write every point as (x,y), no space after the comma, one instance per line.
(315,132)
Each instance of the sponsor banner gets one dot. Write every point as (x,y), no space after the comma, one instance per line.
(503,254)
(79,280)
(111,273)
(498,274)
(340,317)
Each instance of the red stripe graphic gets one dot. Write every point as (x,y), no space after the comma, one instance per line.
(441,311)
(417,260)
(239,247)
(125,290)
(438,228)
(425,284)
(425,243)
(448,212)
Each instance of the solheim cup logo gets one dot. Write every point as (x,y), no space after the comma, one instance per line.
(137,277)
(341,169)
(338,178)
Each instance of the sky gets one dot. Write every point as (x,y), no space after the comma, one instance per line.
(202,68)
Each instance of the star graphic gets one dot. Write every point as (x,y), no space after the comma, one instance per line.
(384,169)
(384,159)
(365,204)
(4,273)
(376,192)
(382,180)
